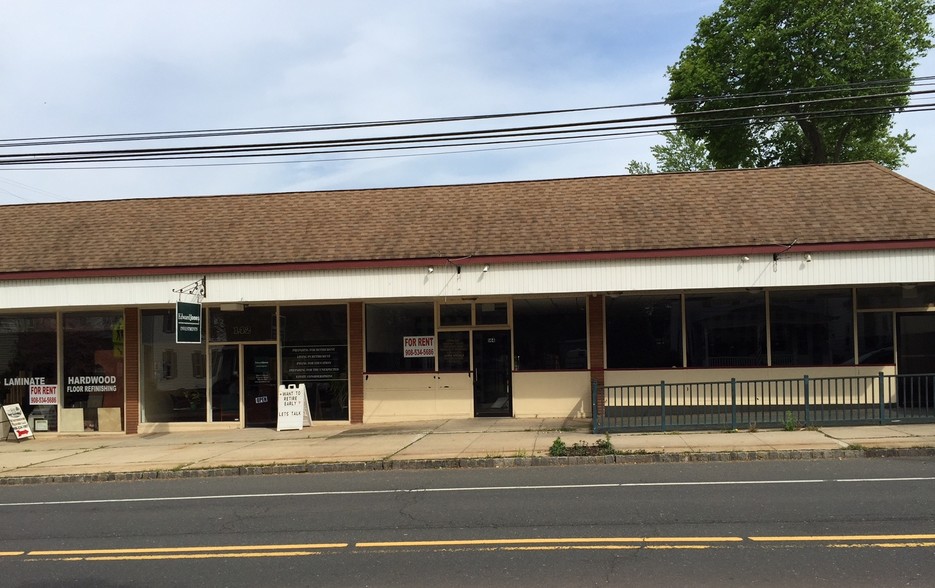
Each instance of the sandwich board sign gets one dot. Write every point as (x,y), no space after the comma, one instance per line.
(13,417)
(293,413)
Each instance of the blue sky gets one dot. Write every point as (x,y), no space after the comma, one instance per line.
(115,66)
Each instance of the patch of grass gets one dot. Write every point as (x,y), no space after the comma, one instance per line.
(791,422)
(600,447)
(857,447)
(752,427)
(558,448)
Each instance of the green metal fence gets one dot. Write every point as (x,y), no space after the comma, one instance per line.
(789,403)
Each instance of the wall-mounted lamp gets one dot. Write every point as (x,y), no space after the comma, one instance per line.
(431,269)
(745,259)
(808,257)
(486,267)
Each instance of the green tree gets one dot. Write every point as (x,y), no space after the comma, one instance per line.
(736,87)
(679,153)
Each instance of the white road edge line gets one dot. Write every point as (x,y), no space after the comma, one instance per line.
(461,489)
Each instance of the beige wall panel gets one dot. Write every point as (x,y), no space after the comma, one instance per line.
(408,397)
(552,394)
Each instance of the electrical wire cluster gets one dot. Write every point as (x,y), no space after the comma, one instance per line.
(390,138)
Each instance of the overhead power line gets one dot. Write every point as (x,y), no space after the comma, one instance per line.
(824,102)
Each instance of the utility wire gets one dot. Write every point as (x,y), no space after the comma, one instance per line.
(570,131)
(205,133)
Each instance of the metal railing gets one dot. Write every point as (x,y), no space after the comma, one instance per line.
(787,403)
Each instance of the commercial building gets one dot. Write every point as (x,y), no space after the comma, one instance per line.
(503,299)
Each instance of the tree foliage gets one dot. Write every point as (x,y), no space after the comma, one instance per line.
(752,53)
(679,153)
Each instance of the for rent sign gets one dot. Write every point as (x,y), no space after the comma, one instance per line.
(419,346)
(43,394)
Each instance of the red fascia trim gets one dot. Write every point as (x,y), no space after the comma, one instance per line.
(471,260)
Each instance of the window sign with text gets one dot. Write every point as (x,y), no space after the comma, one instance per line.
(419,346)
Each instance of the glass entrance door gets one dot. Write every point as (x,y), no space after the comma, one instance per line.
(244,376)
(492,374)
(259,385)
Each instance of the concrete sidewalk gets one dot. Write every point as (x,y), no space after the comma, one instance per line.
(438,443)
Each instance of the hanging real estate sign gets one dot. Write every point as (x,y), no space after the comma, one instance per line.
(187,322)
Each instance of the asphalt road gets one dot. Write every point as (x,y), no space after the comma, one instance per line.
(860,522)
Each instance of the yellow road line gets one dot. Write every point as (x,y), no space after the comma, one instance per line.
(190,549)
(549,541)
(843,538)
(11,553)
(200,556)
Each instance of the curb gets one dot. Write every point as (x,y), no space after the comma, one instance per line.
(472,463)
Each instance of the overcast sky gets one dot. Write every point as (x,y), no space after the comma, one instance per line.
(92,67)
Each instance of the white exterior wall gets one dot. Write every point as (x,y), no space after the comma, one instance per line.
(624,275)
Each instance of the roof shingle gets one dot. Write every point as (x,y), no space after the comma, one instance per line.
(845,203)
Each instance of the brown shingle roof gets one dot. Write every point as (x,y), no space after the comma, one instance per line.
(846,203)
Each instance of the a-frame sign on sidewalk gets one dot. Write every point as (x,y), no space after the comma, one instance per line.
(12,416)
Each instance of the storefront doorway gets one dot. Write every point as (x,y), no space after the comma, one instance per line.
(492,374)
(915,349)
(250,392)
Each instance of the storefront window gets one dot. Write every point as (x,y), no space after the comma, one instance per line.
(93,353)
(27,366)
(809,327)
(454,351)
(172,374)
(491,313)
(388,326)
(249,324)
(644,332)
(875,341)
(550,334)
(314,353)
(726,330)
(904,296)
(455,315)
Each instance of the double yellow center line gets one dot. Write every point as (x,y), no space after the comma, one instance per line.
(527,544)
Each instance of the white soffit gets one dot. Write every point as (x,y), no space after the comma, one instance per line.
(798,269)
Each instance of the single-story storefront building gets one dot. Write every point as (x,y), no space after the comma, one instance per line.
(501,299)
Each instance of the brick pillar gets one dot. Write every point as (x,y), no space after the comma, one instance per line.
(355,343)
(131,370)
(596,344)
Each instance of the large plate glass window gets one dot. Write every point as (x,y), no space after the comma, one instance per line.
(875,342)
(93,352)
(550,334)
(810,327)
(644,332)
(314,353)
(726,329)
(27,367)
(172,374)
(388,325)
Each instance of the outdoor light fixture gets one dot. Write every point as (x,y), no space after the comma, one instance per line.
(808,257)
(745,259)
(431,269)
(486,267)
